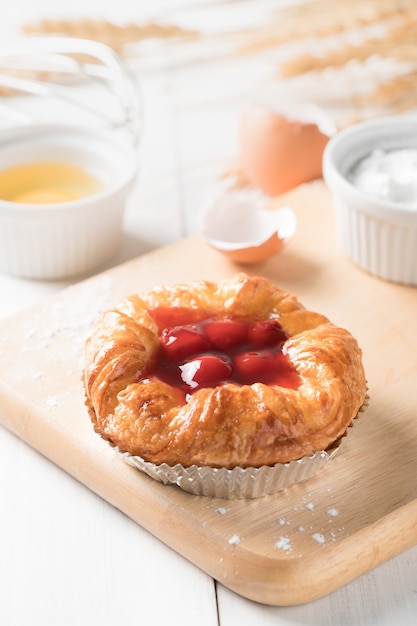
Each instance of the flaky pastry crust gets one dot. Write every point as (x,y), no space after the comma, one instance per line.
(228,425)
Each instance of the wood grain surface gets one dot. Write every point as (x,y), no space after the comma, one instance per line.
(289,548)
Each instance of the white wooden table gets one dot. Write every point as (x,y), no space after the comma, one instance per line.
(68,557)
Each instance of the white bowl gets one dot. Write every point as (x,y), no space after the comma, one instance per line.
(50,241)
(377,234)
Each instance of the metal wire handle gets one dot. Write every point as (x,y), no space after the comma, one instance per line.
(80,61)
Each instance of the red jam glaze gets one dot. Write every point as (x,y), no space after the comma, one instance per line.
(199,349)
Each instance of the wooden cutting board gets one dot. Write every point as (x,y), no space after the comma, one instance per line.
(289,548)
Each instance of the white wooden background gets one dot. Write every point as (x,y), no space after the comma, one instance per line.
(66,556)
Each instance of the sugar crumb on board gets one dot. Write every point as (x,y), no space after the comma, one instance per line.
(221,510)
(52,401)
(332,512)
(234,540)
(284,543)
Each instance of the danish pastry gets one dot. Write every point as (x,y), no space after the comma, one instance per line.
(235,373)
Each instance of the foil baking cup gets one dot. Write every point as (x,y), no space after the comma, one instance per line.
(236,483)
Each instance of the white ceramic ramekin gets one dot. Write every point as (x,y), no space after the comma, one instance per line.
(53,241)
(379,236)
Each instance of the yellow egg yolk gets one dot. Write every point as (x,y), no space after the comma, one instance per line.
(47,183)
(46,196)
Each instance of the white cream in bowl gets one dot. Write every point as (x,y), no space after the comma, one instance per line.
(388,175)
(51,232)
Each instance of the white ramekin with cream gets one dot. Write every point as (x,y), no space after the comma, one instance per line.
(371,169)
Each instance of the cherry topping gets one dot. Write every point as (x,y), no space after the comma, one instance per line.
(182,342)
(255,365)
(224,334)
(199,349)
(266,333)
(206,371)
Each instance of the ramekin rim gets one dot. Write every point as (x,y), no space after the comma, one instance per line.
(338,183)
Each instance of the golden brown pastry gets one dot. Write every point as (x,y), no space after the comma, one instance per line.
(237,373)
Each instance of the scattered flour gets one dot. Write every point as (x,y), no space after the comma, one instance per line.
(283,543)
(234,540)
(52,401)
(222,510)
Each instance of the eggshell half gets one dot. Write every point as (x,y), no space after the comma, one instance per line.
(279,153)
(239,225)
